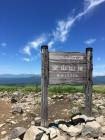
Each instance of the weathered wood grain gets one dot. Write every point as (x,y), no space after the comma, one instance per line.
(88,85)
(67,67)
(67,57)
(44,87)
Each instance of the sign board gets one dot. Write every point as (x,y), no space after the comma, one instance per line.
(67,68)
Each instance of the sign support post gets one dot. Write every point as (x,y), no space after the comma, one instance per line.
(44,86)
(88,85)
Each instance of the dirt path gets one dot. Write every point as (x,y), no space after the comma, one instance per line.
(5,108)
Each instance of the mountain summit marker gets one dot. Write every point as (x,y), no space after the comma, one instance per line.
(65,68)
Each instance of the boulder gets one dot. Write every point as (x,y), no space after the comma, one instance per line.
(75,110)
(74,130)
(15,97)
(103,130)
(33,133)
(100,120)
(17,109)
(92,129)
(101,138)
(63,127)
(37,121)
(45,137)
(54,132)
(17,132)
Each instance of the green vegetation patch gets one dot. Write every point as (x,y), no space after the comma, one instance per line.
(53,89)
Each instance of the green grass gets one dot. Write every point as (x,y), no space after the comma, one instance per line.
(59,89)
(99,89)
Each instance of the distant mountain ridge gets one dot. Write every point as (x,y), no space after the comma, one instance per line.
(6,79)
(35,79)
(16,75)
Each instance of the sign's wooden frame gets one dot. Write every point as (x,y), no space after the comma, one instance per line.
(65,58)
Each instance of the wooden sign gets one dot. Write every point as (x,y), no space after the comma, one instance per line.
(65,68)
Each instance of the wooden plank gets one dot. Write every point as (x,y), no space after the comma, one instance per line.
(88,85)
(66,67)
(67,81)
(67,57)
(66,77)
(44,87)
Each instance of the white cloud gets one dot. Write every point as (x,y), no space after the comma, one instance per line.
(27,50)
(62,30)
(64,27)
(50,44)
(90,41)
(92,4)
(35,44)
(26,59)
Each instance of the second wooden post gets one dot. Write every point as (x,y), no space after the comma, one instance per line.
(88,86)
(44,86)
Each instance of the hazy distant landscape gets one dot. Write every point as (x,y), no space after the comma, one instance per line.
(7,79)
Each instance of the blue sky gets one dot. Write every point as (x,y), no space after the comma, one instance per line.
(68,25)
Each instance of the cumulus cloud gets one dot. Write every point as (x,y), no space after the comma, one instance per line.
(90,41)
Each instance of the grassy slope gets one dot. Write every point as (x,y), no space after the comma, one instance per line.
(52,89)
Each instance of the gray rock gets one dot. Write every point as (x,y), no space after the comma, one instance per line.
(33,133)
(17,132)
(15,97)
(75,110)
(74,130)
(17,109)
(63,127)
(100,120)
(37,121)
(54,133)
(45,137)
(101,138)
(103,130)
(92,129)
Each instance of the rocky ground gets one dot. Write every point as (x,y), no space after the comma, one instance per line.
(20,117)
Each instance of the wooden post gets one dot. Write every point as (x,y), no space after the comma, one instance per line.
(88,86)
(44,86)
